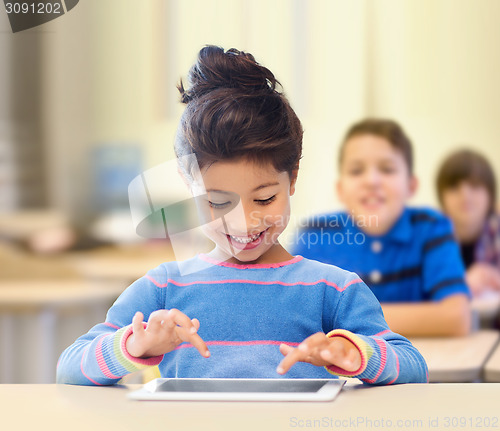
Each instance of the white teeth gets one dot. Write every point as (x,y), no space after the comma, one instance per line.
(246,240)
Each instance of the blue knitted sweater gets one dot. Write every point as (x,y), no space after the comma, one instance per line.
(245,312)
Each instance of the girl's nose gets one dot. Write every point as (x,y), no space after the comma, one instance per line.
(241,220)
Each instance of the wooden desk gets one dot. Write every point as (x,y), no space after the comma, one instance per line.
(125,263)
(492,368)
(46,302)
(34,314)
(457,359)
(19,264)
(487,307)
(422,407)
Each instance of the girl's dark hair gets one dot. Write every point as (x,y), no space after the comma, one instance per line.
(466,165)
(234,109)
(383,128)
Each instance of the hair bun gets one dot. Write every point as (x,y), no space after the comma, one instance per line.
(216,69)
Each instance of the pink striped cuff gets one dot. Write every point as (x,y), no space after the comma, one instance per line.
(138,362)
(101,362)
(362,347)
(383,360)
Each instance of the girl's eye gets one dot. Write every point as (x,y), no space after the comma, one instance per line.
(218,206)
(265,201)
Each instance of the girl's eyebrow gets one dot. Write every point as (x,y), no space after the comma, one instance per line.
(262,186)
(217,191)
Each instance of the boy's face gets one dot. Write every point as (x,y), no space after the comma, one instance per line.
(467,204)
(249,205)
(374,182)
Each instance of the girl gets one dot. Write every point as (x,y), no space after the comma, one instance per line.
(466,187)
(261,311)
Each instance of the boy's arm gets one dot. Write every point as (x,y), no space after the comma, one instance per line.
(100,357)
(447,317)
(444,310)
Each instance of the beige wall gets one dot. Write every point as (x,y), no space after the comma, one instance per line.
(111,68)
(436,68)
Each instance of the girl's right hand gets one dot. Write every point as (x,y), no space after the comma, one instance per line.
(165,330)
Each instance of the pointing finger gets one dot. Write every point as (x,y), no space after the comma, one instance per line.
(197,342)
(292,357)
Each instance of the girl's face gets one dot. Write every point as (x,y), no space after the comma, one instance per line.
(467,204)
(374,182)
(248,207)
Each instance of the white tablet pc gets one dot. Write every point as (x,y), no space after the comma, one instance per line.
(239,389)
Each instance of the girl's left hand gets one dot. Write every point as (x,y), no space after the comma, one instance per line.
(320,350)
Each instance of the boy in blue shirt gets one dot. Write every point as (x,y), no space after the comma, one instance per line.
(407,256)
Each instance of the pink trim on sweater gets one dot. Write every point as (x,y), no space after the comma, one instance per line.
(383,360)
(265,283)
(240,343)
(101,361)
(250,266)
(397,375)
(83,372)
(154,360)
(111,325)
(386,331)
(355,281)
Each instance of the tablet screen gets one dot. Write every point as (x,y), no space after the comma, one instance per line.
(194,385)
(239,389)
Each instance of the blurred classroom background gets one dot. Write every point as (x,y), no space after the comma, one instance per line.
(89,102)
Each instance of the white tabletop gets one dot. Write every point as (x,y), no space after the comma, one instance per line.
(419,406)
(457,359)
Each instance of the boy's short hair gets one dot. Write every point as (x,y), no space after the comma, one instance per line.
(383,128)
(466,165)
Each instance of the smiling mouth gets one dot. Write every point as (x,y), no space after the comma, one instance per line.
(246,239)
